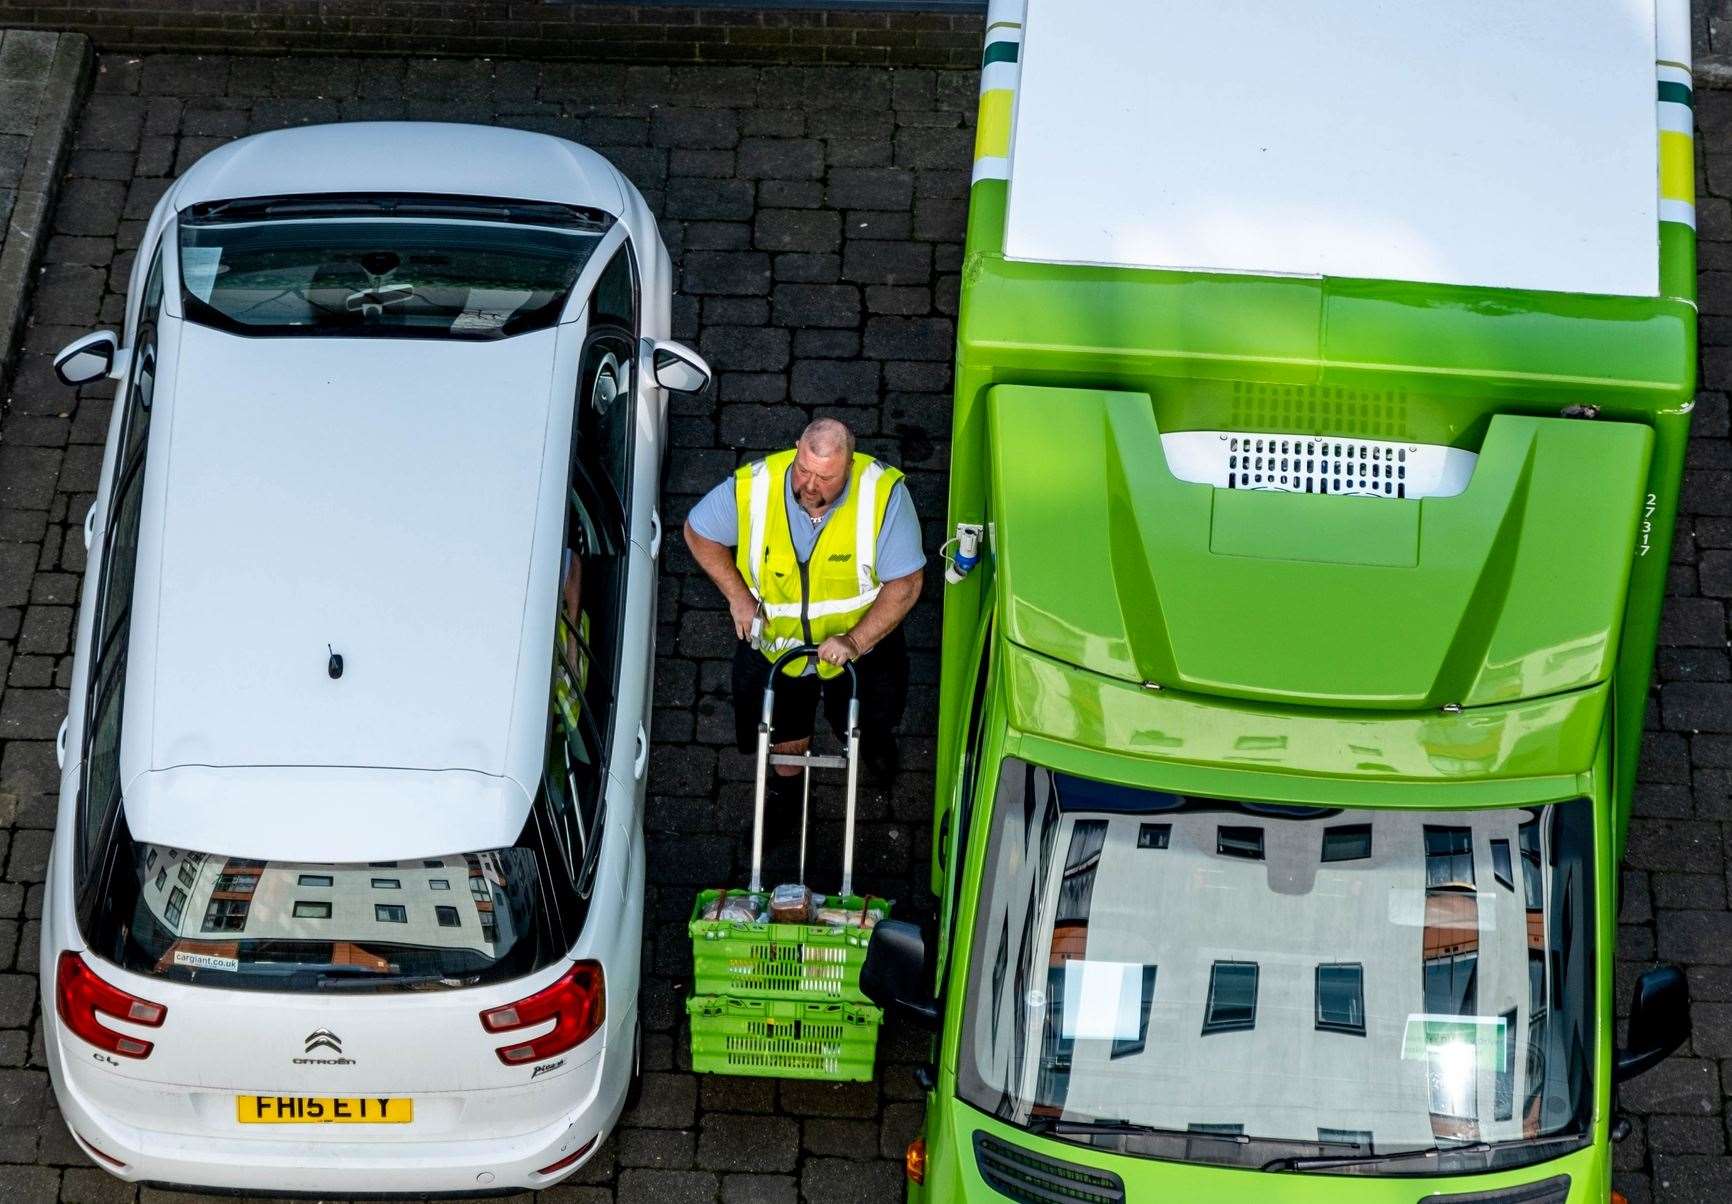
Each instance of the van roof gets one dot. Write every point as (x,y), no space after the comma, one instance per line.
(1305,648)
(1351,609)
(1458,145)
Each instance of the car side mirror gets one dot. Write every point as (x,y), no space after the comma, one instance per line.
(895,972)
(1659,1021)
(677,368)
(89,358)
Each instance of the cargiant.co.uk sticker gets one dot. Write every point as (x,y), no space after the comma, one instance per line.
(206,961)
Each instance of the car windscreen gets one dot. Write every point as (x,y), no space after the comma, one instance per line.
(379,269)
(424,924)
(1242,984)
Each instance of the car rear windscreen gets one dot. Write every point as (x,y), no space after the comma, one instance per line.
(232,922)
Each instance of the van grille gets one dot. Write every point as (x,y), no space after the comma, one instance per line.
(1317,464)
(1031,1178)
(1550,1191)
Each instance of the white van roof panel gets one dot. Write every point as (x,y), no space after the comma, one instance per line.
(1469,142)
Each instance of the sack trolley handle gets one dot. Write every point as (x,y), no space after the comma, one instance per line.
(852,764)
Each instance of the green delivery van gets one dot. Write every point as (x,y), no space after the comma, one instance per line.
(1323,379)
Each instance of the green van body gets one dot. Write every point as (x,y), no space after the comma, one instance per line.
(1490,649)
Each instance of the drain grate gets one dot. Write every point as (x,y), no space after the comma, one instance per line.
(1318,464)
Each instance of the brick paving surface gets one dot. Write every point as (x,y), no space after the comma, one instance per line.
(41,82)
(817,215)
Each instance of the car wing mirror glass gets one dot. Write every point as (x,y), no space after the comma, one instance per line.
(1659,1021)
(89,358)
(677,368)
(895,972)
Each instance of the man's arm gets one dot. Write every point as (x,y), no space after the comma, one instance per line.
(717,561)
(895,599)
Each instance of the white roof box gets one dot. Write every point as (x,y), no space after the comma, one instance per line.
(1472,142)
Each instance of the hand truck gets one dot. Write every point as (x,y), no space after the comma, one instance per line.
(783,999)
(807,761)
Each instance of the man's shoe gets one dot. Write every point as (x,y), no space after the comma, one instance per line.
(881,761)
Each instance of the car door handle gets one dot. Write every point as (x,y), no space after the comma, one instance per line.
(641,761)
(89,526)
(60,743)
(655,532)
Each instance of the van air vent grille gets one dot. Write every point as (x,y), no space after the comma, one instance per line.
(1317,464)
(1031,1178)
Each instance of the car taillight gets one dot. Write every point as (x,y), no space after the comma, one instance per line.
(80,997)
(577,1005)
(914,1160)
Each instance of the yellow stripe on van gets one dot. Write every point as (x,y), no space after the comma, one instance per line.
(992,133)
(1677,166)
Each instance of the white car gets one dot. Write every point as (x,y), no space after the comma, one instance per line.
(347,889)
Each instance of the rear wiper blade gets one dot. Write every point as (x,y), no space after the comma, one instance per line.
(334,968)
(392,984)
(1335,1161)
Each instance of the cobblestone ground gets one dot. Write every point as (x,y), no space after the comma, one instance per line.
(817,216)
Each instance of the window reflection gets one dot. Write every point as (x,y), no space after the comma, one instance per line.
(1232,997)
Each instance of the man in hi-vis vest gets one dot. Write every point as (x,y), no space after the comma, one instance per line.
(820,545)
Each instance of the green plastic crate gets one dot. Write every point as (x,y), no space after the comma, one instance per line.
(834,1042)
(814,963)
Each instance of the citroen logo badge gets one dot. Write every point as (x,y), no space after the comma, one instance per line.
(324,1038)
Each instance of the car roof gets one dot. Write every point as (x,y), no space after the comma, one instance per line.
(392,500)
(426,157)
(1457,145)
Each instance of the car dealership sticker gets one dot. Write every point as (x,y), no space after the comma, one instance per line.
(206,961)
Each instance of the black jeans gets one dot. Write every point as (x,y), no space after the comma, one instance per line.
(883,676)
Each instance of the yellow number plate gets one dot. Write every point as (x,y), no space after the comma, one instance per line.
(322,1110)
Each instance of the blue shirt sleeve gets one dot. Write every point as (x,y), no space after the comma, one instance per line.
(717,517)
(899,550)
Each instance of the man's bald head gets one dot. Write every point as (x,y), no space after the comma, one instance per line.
(827,437)
(821,462)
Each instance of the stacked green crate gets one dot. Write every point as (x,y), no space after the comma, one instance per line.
(783,1000)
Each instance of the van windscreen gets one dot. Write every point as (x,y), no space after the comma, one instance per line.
(1248,984)
(425,924)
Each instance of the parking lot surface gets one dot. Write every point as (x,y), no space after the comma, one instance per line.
(817,215)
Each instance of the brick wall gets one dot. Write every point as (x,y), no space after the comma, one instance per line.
(936,33)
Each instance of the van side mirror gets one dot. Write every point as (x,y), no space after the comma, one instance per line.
(677,368)
(895,972)
(1659,1021)
(89,358)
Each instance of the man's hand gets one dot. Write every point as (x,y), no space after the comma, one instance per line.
(743,608)
(837,650)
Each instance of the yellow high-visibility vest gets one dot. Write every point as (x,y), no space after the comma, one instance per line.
(826,596)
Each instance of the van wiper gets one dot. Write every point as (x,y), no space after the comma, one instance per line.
(1335,1161)
(1058,1126)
